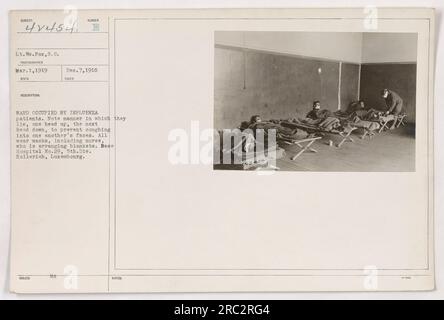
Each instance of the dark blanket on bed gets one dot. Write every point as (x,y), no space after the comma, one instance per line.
(281,131)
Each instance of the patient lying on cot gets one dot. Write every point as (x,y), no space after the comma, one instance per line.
(371,114)
(249,129)
(362,117)
(256,123)
(358,109)
(322,118)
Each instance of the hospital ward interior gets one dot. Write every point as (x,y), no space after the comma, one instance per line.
(299,101)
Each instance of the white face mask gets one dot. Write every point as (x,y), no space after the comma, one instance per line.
(386,94)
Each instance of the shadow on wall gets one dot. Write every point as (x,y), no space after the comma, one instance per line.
(349,84)
(398,77)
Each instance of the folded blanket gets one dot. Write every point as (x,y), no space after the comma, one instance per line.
(330,123)
(389,117)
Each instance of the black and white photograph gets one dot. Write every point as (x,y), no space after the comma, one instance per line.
(252,153)
(315,101)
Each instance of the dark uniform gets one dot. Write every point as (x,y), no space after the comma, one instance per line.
(354,106)
(314,114)
(393,103)
(317,114)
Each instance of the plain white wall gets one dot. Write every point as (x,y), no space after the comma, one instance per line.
(389,47)
(339,46)
(356,47)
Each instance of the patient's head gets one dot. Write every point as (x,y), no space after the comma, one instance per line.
(244,125)
(316,105)
(255,119)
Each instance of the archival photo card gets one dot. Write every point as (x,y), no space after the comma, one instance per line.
(242,150)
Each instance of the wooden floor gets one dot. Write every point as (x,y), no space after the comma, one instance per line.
(392,150)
